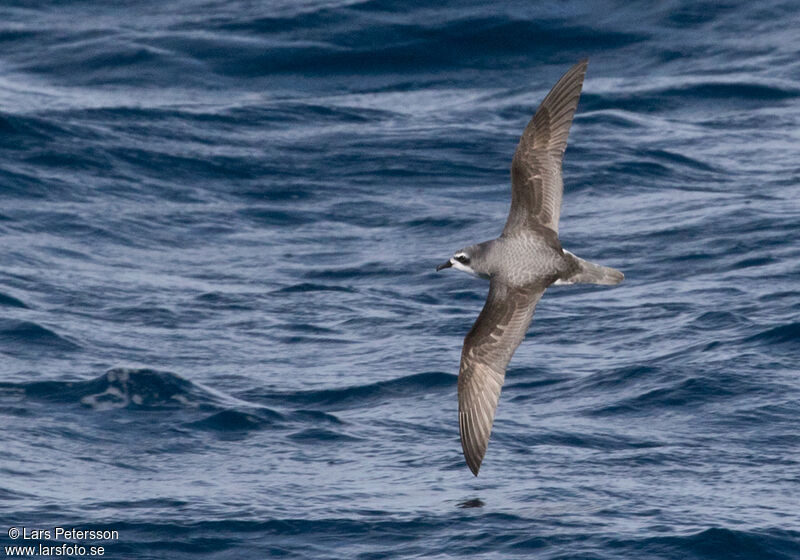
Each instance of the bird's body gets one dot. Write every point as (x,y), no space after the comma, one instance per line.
(536,256)
(520,264)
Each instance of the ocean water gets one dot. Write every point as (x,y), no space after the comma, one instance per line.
(221,332)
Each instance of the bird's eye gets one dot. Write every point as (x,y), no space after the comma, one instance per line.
(463,259)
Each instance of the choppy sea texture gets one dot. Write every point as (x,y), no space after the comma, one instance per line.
(221,331)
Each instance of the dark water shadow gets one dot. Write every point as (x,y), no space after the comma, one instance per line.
(473,503)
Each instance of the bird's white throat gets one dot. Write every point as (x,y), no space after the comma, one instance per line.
(464,268)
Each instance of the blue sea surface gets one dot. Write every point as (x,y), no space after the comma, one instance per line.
(221,331)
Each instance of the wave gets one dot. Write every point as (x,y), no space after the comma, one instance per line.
(359,395)
(152,390)
(11,301)
(619,378)
(344,41)
(110,58)
(679,392)
(305,287)
(743,91)
(480,532)
(715,320)
(267,216)
(717,542)
(782,334)
(315,426)
(124,388)
(364,270)
(238,421)
(320,435)
(670,97)
(372,45)
(23,132)
(25,338)
(525,443)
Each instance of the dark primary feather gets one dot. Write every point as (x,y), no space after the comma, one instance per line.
(536,183)
(488,348)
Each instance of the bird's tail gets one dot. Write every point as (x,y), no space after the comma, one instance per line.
(584,272)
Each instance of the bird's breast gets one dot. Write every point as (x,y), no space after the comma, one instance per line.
(528,259)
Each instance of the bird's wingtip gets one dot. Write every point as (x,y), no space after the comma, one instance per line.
(474,467)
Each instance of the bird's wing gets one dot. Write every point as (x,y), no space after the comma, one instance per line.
(488,348)
(536,184)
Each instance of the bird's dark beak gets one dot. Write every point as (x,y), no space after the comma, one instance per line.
(448,264)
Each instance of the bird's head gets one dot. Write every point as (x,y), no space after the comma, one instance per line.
(465,260)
